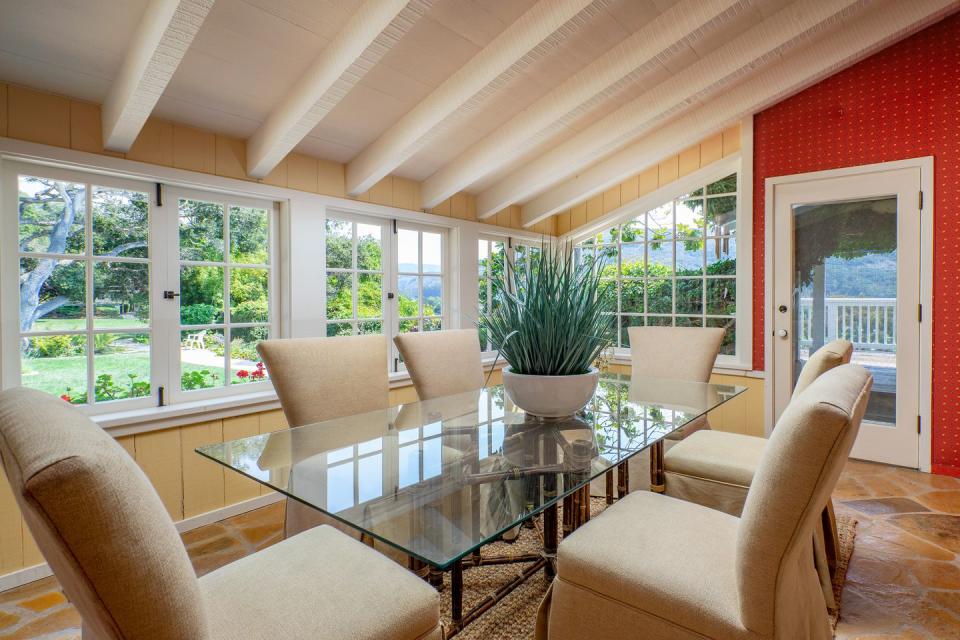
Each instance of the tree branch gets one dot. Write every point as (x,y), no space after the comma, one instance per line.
(123,248)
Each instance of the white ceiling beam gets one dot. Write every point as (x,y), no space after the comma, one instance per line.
(605,76)
(878,28)
(534,33)
(370,33)
(758,46)
(157,47)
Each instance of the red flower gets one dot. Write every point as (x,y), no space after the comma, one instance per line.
(243,373)
(259,374)
(65,397)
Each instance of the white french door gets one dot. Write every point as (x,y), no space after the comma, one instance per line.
(847,264)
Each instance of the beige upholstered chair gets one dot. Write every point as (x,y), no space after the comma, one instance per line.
(115,551)
(653,567)
(442,363)
(678,353)
(321,379)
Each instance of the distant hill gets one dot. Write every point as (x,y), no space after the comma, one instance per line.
(870,276)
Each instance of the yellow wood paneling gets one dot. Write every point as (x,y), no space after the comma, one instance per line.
(11,532)
(86,129)
(158,454)
(516,220)
(594,207)
(442,209)
(647,181)
(578,215)
(38,117)
(611,199)
(3,109)
(202,478)
(154,144)
(471,206)
(731,140)
(302,172)
(563,222)
(236,488)
(382,192)
(31,552)
(231,157)
(194,149)
(711,149)
(668,170)
(271,421)
(458,206)
(330,178)
(403,194)
(402,395)
(689,160)
(629,190)
(129,445)
(277,177)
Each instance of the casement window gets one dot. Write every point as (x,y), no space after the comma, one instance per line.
(384,277)
(675,265)
(491,265)
(102,285)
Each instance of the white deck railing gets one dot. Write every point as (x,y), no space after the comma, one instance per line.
(869,323)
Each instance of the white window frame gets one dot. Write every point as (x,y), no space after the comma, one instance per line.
(743,358)
(489,239)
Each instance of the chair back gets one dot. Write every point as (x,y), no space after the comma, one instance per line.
(98,522)
(442,363)
(320,379)
(833,354)
(678,353)
(795,477)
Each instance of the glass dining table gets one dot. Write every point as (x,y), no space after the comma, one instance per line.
(439,479)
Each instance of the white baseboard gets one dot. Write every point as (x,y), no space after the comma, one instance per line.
(21,577)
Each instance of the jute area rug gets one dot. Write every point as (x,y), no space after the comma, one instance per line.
(514,617)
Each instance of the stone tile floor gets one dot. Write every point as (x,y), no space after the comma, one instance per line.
(903,580)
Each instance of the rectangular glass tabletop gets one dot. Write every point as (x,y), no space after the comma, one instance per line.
(440,478)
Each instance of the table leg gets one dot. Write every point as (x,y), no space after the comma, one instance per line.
(586,504)
(456,595)
(610,481)
(567,515)
(657,476)
(622,481)
(550,539)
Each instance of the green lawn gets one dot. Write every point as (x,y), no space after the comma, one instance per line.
(78,324)
(68,375)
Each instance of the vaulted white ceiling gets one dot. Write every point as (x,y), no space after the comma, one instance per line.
(532,102)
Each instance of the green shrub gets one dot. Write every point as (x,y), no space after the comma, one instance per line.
(200,379)
(56,346)
(198,314)
(240,348)
(250,311)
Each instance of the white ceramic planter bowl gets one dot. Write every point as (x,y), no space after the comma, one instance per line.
(551,396)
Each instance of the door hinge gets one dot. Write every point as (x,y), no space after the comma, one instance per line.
(394,226)
(921,201)
(159,195)
(918,424)
(919,313)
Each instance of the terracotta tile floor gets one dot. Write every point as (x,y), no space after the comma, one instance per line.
(903,580)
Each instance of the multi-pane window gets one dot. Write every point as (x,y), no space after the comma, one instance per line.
(420,276)
(84,278)
(355,277)
(490,269)
(675,265)
(224,257)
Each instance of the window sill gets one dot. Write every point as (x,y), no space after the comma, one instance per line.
(723,369)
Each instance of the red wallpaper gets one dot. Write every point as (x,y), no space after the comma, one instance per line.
(902,102)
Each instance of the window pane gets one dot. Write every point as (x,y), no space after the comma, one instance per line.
(370,477)
(431,324)
(52,295)
(369,247)
(633,231)
(608,293)
(408,251)
(631,260)
(721,296)
(723,185)
(121,295)
(202,359)
(57,365)
(339,329)
(432,262)
(722,256)
(432,295)
(659,321)
(409,326)
(625,323)
(631,296)
(689,321)
(660,222)
(408,296)
(660,295)
(690,218)
(689,257)
(339,295)
(370,296)
(201,295)
(249,235)
(375,327)
(689,295)
(249,296)
(245,364)
(121,366)
(201,231)
(660,258)
(339,238)
(722,216)
(120,222)
(51,215)
(729,345)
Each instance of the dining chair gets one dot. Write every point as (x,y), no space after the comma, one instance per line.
(654,567)
(115,551)
(716,468)
(321,379)
(442,363)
